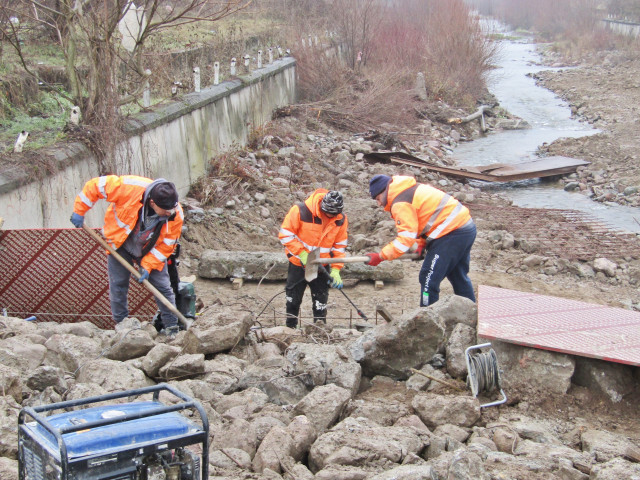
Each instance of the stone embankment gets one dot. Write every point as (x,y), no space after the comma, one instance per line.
(323,403)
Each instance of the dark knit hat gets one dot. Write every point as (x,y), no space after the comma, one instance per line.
(378,184)
(165,195)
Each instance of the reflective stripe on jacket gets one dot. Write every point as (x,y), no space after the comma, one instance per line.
(126,196)
(306,227)
(421,212)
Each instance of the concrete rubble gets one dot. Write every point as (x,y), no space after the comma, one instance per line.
(349,407)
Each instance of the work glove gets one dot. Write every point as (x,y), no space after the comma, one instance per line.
(421,251)
(77,220)
(336,281)
(144,275)
(374,259)
(303,255)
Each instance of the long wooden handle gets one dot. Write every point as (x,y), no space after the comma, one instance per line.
(360,259)
(156,293)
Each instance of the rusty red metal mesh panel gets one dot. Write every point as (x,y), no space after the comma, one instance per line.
(60,275)
(559,324)
(569,234)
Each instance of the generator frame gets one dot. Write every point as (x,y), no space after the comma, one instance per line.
(200,436)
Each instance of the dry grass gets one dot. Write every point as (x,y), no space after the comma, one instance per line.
(437,37)
(578,31)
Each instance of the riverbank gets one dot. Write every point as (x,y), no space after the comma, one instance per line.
(604,90)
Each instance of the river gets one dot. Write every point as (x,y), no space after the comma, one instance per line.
(550,119)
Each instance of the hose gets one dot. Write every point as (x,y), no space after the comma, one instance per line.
(483,375)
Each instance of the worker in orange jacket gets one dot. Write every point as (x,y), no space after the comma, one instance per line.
(316,223)
(440,226)
(143,223)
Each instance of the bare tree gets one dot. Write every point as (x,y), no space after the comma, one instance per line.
(98,37)
(357,22)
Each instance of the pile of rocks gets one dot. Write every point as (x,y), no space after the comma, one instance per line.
(322,403)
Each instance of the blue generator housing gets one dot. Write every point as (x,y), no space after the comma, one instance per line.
(139,440)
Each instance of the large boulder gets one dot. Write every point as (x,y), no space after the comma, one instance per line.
(462,337)
(533,370)
(21,354)
(393,348)
(326,364)
(281,444)
(69,352)
(605,446)
(130,344)
(323,406)
(611,379)
(435,410)
(217,332)
(362,442)
(113,375)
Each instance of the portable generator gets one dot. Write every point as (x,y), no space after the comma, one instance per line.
(139,440)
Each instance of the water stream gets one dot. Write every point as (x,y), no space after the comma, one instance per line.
(550,119)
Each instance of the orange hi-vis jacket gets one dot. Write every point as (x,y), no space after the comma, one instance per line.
(126,195)
(422,213)
(306,227)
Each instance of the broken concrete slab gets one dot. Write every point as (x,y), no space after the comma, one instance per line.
(393,348)
(525,368)
(216,332)
(612,379)
(223,264)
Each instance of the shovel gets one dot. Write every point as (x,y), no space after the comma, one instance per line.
(314,261)
(156,293)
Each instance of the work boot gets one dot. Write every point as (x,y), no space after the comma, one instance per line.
(292,322)
(170,332)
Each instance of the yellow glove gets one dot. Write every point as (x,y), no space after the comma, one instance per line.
(336,281)
(303,255)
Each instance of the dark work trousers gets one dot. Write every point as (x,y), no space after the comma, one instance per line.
(296,285)
(119,288)
(448,257)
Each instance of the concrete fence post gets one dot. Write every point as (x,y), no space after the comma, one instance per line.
(270,55)
(279,51)
(233,66)
(259,58)
(196,79)
(146,94)
(247,60)
(316,41)
(310,43)
(421,87)
(216,73)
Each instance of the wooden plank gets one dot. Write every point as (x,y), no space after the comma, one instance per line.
(538,168)
(384,313)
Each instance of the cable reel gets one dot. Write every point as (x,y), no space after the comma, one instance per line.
(483,374)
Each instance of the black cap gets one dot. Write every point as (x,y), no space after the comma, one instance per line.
(165,195)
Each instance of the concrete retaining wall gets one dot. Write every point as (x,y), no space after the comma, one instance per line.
(630,29)
(175,142)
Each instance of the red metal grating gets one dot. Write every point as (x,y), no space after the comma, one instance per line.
(569,234)
(560,325)
(60,275)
